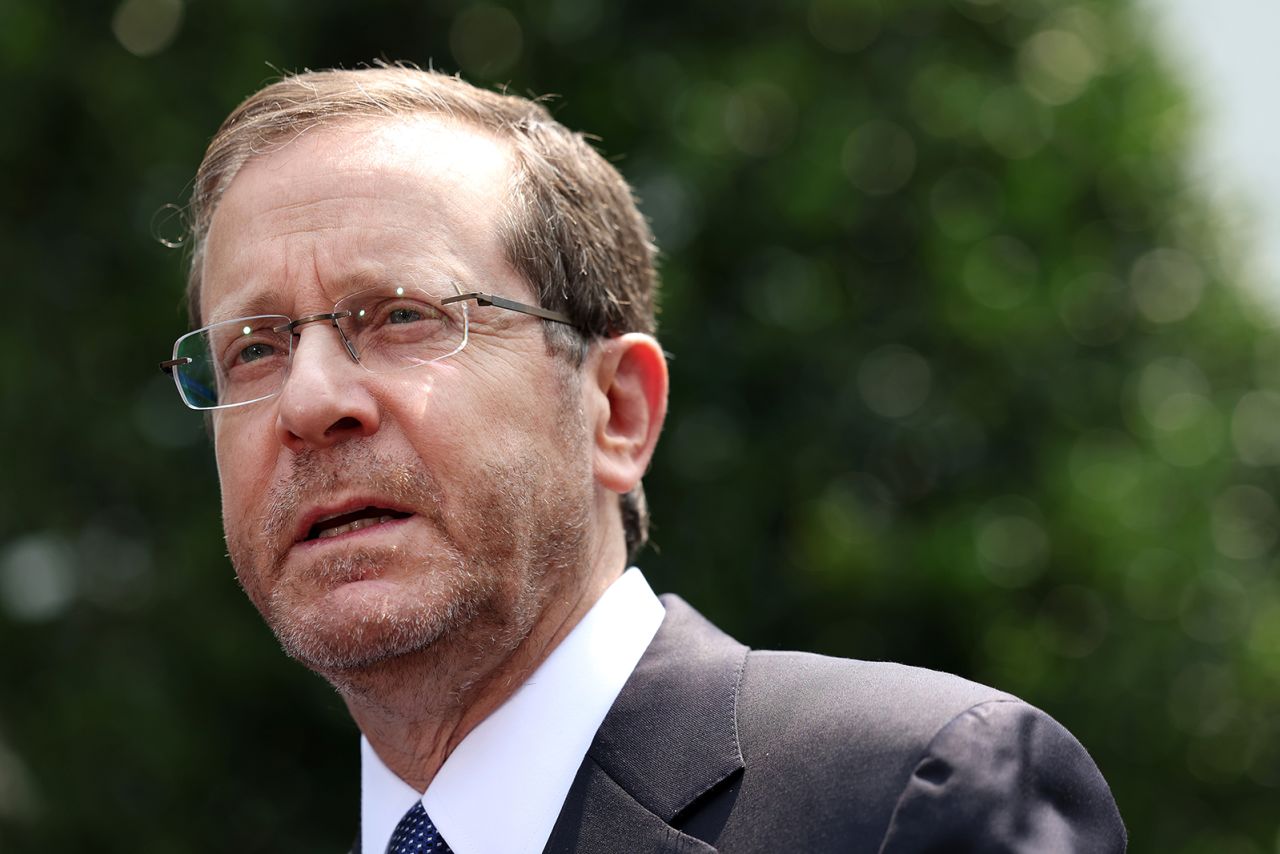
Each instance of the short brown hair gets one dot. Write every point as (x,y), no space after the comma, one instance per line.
(571,227)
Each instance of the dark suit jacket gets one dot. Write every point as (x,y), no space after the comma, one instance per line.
(711,748)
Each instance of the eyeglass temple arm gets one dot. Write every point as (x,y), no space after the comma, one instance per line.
(510,305)
(169,364)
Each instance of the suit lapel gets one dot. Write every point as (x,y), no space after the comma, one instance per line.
(670,738)
(600,817)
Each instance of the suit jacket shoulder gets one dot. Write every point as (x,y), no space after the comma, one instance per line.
(714,747)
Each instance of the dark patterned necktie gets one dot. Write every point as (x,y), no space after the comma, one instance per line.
(415,834)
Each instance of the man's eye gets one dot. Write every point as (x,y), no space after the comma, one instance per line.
(404,315)
(412,314)
(254,352)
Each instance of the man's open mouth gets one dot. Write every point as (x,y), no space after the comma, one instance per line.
(344,523)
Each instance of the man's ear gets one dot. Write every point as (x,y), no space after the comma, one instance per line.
(627,378)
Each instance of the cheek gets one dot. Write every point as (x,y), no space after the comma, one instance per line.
(244,471)
(529,402)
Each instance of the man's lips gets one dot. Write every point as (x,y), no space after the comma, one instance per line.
(325,523)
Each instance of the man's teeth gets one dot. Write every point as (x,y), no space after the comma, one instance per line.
(353,526)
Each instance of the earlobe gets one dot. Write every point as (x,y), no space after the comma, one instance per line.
(631,385)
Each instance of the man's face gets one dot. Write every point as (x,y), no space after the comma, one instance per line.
(481,461)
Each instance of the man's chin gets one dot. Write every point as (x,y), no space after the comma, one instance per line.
(350,630)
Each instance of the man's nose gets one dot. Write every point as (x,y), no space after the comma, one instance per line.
(325,399)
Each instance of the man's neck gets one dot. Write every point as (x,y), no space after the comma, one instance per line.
(417,708)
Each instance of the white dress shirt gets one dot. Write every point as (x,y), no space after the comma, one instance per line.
(502,788)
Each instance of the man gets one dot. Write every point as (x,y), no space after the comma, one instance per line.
(426,341)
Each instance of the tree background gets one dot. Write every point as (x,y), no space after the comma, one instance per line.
(965,375)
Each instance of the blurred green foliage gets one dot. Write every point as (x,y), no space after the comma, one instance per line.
(965,376)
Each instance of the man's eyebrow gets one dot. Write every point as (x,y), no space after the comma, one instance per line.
(268,302)
(259,303)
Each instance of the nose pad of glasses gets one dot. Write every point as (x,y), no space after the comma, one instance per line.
(346,342)
(351,348)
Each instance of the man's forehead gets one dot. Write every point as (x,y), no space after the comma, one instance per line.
(424,176)
(415,150)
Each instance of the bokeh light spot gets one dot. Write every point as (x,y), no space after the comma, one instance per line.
(1189,429)
(1264,641)
(1221,758)
(1011,541)
(1163,377)
(759,119)
(894,381)
(37,580)
(1000,272)
(1255,428)
(486,40)
(1245,522)
(879,157)
(966,204)
(1013,124)
(116,570)
(672,206)
(1104,466)
(146,27)
(1166,285)
(697,116)
(790,290)
(843,530)
(1264,756)
(1056,66)
(1093,308)
(1179,411)
(18,799)
(1266,362)
(945,98)
(570,21)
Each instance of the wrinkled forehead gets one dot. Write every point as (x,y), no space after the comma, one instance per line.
(338,203)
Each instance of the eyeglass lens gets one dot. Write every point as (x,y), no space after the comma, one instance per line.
(245,360)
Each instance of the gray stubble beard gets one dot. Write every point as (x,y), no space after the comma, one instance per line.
(470,619)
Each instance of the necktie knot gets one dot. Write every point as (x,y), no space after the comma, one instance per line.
(415,834)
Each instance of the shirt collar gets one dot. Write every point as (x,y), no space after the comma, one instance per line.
(502,788)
